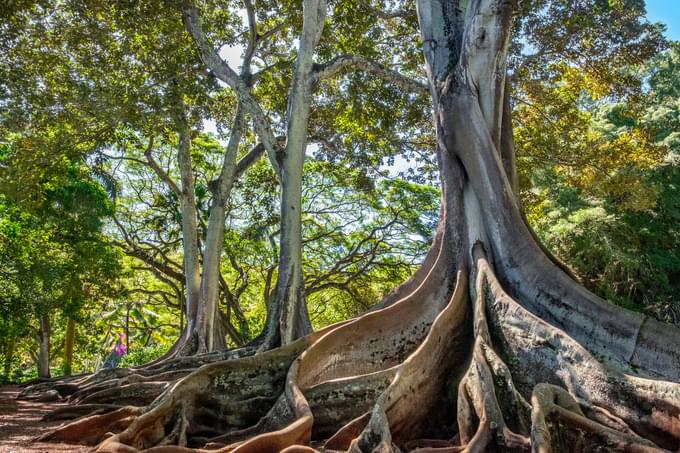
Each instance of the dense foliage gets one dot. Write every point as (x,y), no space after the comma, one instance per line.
(57,263)
(91,225)
(608,202)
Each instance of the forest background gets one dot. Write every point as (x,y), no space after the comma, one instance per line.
(91,223)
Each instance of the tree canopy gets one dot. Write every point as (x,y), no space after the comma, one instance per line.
(105,94)
(336,185)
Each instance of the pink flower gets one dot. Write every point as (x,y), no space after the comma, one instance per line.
(120,349)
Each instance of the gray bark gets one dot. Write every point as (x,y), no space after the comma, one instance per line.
(192,273)
(202,331)
(467,102)
(221,70)
(210,282)
(288,318)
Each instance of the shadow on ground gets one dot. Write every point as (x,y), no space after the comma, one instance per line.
(20,422)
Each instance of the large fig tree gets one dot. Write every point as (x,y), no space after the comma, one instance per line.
(490,346)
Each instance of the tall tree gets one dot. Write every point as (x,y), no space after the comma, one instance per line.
(288,318)
(54,253)
(287,315)
(490,346)
(126,77)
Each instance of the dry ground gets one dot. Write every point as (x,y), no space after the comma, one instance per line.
(20,422)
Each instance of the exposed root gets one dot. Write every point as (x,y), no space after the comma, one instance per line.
(66,386)
(435,378)
(555,405)
(487,388)
(86,391)
(638,408)
(168,369)
(414,396)
(46,396)
(91,430)
(70,412)
(357,361)
(218,398)
(141,393)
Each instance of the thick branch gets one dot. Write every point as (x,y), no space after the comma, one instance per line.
(132,249)
(337,64)
(253,155)
(212,60)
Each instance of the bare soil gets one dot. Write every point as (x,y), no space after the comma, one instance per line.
(20,423)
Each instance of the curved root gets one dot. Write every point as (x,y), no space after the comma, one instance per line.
(424,374)
(90,430)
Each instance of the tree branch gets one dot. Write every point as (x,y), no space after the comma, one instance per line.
(221,70)
(327,70)
(132,249)
(252,37)
(253,155)
(162,174)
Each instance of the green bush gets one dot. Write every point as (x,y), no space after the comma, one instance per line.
(141,356)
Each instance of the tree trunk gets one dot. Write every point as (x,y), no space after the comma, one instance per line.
(69,341)
(127,327)
(208,319)
(208,339)
(8,354)
(490,347)
(44,355)
(288,319)
(190,340)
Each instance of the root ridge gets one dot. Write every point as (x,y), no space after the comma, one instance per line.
(472,370)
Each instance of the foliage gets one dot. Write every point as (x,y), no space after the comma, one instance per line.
(596,109)
(55,258)
(607,204)
(142,356)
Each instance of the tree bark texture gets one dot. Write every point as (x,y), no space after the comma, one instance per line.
(287,318)
(209,320)
(192,270)
(204,331)
(490,347)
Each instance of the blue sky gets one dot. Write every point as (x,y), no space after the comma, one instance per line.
(668,12)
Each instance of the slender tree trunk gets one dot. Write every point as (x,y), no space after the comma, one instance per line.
(288,318)
(8,357)
(69,341)
(127,327)
(192,271)
(209,288)
(209,320)
(44,334)
(204,330)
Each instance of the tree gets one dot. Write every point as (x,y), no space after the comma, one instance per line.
(606,203)
(54,254)
(490,342)
(126,76)
(287,317)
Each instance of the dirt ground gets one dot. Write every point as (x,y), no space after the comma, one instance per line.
(20,423)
